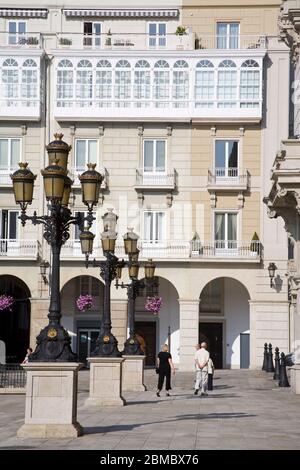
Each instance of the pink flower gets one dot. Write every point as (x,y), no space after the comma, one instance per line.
(6,302)
(84,302)
(153,304)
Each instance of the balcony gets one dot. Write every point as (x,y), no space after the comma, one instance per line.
(228,179)
(19,249)
(20,41)
(5,179)
(126,41)
(232,43)
(159,180)
(74,173)
(172,250)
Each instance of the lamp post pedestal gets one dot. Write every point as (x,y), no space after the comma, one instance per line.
(105,381)
(133,374)
(51,400)
(295,378)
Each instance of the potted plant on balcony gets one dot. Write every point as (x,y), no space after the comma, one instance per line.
(255,245)
(195,244)
(180,31)
(108,39)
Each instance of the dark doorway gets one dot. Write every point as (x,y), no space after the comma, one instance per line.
(15,322)
(147,330)
(212,334)
(245,350)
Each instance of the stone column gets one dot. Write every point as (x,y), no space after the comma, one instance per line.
(295,378)
(133,374)
(105,381)
(189,333)
(51,400)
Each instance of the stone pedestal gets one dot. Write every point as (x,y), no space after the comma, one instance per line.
(51,400)
(295,378)
(133,374)
(105,381)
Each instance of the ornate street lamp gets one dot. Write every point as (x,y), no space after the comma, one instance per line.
(272,268)
(107,344)
(132,345)
(54,342)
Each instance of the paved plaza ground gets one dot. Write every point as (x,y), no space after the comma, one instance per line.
(246,410)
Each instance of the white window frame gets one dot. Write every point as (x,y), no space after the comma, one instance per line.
(96,39)
(15,242)
(17,35)
(152,242)
(227,248)
(227,174)
(86,140)
(10,167)
(157,36)
(154,170)
(228,35)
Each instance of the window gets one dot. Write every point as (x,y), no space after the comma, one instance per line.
(89,286)
(103,87)
(77,231)
(226,159)
(64,85)
(228,35)
(204,84)
(181,84)
(211,297)
(10,155)
(123,84)
(9,225)
(10,82)
(227,84)
(17,32)
(154,226)
(157,34)
(29,84)
(142,84)
(250,84)
(92,34)
(226,230)
(84,83)
(161,84)
(86,151)
(154,156)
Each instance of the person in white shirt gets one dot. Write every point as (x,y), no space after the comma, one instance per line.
(201,363)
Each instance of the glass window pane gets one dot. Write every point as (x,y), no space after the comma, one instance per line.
(220,157)
(92,151)
(80,155)
(160,220)
(232,227)
(13,223)
(22,27)
(148,225)
(4,154)
(160,155)
(219,227)
(15,153)
(232,154)
(148,155)
(152,29)
(97,28)
(162,29)
(12,27)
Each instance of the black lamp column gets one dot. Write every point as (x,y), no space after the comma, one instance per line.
(53,342)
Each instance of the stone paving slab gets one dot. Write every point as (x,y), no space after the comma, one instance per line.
(245,411)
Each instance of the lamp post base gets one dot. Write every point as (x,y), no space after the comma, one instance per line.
(105,381)
(53,345)
(133,374)
(132,347)
(106,346)
(51,400)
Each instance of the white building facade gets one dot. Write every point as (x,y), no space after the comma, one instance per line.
(184,128)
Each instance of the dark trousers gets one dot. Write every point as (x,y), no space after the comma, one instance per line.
(162,375)
(210,382)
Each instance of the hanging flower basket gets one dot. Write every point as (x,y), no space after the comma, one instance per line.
(153,304)
(6,302)
(84,302)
